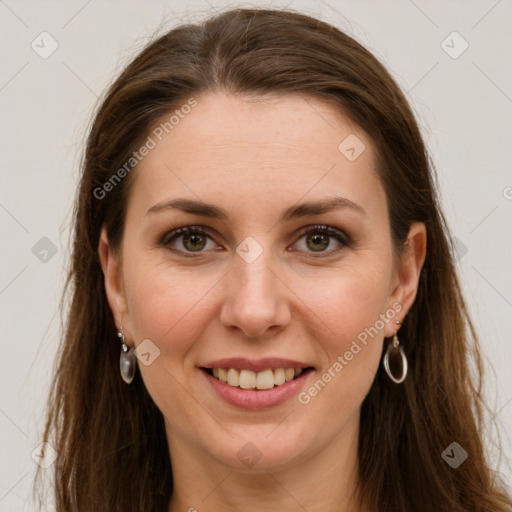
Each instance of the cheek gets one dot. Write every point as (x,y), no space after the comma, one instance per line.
(353,308)
(172,310)
(350,303)
(167,306)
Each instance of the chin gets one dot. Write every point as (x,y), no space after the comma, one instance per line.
(258,449)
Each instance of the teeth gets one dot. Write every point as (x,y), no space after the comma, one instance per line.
(289,373)
(223,375)
(247,379)
(279,376)
(233,377)
(265,380)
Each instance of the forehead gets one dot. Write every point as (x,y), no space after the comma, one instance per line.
(265,152)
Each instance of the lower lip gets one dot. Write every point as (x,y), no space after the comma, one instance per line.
(257,399)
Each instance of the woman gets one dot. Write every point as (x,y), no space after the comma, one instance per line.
(257,217)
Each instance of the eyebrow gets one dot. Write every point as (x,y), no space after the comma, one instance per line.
(293,212)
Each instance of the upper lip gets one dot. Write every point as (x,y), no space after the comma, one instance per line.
(256,365)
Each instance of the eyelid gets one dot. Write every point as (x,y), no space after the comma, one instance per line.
(182,231)
(340,235)
(326,229)
(177,233)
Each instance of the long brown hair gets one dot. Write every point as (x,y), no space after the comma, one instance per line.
(110,437)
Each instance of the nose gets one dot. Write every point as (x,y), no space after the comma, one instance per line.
(257,300)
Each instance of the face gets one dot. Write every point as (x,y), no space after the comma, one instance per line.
(253,290)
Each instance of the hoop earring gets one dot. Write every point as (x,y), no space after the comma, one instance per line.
(127,360)
(394,346)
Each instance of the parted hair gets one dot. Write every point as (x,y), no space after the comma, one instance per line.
(110,437)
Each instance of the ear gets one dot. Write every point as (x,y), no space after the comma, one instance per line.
(114,285)
(407,273)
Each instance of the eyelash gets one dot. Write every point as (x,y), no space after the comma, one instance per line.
(322,229)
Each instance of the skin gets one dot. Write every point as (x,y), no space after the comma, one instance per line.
(294,301)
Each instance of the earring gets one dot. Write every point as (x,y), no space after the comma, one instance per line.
(395,345)
(127,361)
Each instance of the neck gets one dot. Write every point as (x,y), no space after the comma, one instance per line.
(323,479)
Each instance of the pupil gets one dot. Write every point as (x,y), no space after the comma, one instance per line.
(194,239)
(318,238)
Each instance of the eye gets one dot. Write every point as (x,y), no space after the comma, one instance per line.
(194,239)
(318,239)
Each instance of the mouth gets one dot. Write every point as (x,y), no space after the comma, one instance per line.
(256,380)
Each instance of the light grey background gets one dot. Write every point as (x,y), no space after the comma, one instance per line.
(463,104)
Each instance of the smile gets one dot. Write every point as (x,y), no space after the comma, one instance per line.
(248,379)
(250,389)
